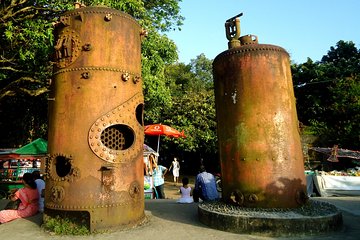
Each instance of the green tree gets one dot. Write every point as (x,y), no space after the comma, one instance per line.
(202,68)
(157,51)
(26,37)
(27,43)
(192,110)
(328,96)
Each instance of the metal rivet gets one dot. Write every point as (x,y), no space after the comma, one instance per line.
(136,79)
(125,77)
(108,17)
(85,75)
(87,47)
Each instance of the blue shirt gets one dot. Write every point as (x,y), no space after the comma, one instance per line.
(157,175)
(206,182)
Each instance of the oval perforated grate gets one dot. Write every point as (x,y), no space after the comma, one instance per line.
(117,137)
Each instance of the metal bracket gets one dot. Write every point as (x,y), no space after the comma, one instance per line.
(232,27)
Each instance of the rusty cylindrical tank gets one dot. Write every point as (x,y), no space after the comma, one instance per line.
(94,171)
(259,142)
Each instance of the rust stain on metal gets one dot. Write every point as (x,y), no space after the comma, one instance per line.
(260,148)
(96,135)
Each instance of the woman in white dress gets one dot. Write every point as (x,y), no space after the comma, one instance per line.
(175,165)
(186,194)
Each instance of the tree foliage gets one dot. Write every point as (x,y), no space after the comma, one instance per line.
(26,39)
(26,36)
(157,51)
(328,95)
(192,110)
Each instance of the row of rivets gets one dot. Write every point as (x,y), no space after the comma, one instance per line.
(250,49)
(110,69)
(257,159)
(73,207)
(119,14)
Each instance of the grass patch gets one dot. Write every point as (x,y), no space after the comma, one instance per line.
(65,226)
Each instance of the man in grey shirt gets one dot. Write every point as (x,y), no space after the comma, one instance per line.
(205,186)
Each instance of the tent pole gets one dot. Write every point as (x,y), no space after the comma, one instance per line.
(158,144)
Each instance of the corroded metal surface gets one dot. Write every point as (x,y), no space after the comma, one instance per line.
(260,149)
(96,133)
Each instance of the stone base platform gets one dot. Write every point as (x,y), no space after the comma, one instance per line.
(311,219)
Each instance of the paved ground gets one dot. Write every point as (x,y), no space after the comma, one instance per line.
(169,220)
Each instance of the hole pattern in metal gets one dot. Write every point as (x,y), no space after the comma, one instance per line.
(113,138)
(117,136)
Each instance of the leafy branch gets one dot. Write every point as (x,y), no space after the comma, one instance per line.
(12,88)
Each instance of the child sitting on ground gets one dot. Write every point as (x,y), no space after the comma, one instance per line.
(185,190)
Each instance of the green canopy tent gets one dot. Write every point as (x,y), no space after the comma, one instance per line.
(11,170)
(33,149)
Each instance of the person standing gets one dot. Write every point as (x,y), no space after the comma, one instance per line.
(158,174)
(40,185)
(175,165)
(205,186)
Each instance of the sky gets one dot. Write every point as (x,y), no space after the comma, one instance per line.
(304,28)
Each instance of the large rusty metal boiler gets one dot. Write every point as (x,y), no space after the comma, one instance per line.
(257,126)
(94,171)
